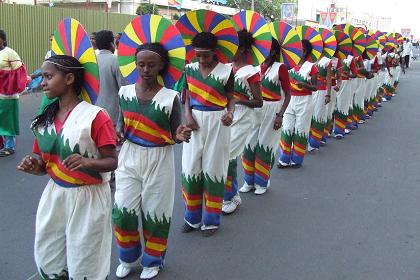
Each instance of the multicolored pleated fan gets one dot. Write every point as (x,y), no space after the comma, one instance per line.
(329,41)
(290,43)
(151,29)
(382,38)
(390,42)
(399,38)
(255,24)
(372,46)
(373,33)
(197,21)
(356,35)
(70,38)
(308,33)
(344,44)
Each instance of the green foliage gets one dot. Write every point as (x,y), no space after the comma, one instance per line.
(270,9)
(147,8)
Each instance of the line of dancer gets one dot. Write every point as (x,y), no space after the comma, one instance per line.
(262,92)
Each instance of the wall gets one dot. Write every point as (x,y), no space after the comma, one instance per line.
(28,27)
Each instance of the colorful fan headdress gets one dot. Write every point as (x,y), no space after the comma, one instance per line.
(151,29)
(356,35)
(390,42)
(198,21)
(344,44)
(70,38)
(329,41)
(289,41)
(255,24)
(308,33)
(382,38)
(372,46)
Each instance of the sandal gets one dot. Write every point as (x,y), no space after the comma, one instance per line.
(6,152)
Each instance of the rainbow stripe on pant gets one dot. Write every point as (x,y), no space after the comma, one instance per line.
(292,148)
(193,189)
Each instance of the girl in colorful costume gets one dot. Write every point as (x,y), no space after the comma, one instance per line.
(209,109)
(12,82)
(247,92)
(151,125)
(297,118)
(75,142)
(275,87)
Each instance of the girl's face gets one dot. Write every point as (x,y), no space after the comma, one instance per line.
(55,83)
(205,57)
(149,64)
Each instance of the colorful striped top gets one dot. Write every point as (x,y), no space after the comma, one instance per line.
(275,81)
(75,137)
(349,67)
(322,66)
(148,125)
(208,93)
(245,76)
(301,73)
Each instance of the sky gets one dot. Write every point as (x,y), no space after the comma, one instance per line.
(404,13)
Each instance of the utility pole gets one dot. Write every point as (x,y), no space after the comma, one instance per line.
(252,5)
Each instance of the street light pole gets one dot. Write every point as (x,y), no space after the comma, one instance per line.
(252,5)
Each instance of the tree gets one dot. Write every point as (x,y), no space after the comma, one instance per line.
(147,8)
(269,9)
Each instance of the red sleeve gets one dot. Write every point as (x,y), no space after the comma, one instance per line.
(284,78)
(103,132)
(35,148)
(353,67)
(314,70)
(254,78)
(339,64)
(360,59)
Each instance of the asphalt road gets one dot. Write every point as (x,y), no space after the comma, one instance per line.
(351,212)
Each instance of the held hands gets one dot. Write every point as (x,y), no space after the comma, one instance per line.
(278,121)
(31,165)
(227,118)
(75,162)
(327,99)
(183,133)
(191,123)
(119,137)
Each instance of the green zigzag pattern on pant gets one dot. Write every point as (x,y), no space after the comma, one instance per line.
(318,124)
(124,219)
(301,138)
(265,154)
(157,227)
(340,115)
(55,276)
(358,110)
(193,184)
(214,187)
(287,136)
(249,153)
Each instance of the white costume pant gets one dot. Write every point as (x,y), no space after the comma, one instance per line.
(259,155)
(73,232)
(295,131)
(145,189)
(240,129)
(205,161)
(319,118)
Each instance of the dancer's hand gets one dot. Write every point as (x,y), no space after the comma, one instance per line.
(227,118)
(327,99)
(278,121)
(191,123)
(336,88)
(31,165)
(183,133)
(75,162)
(119,137)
